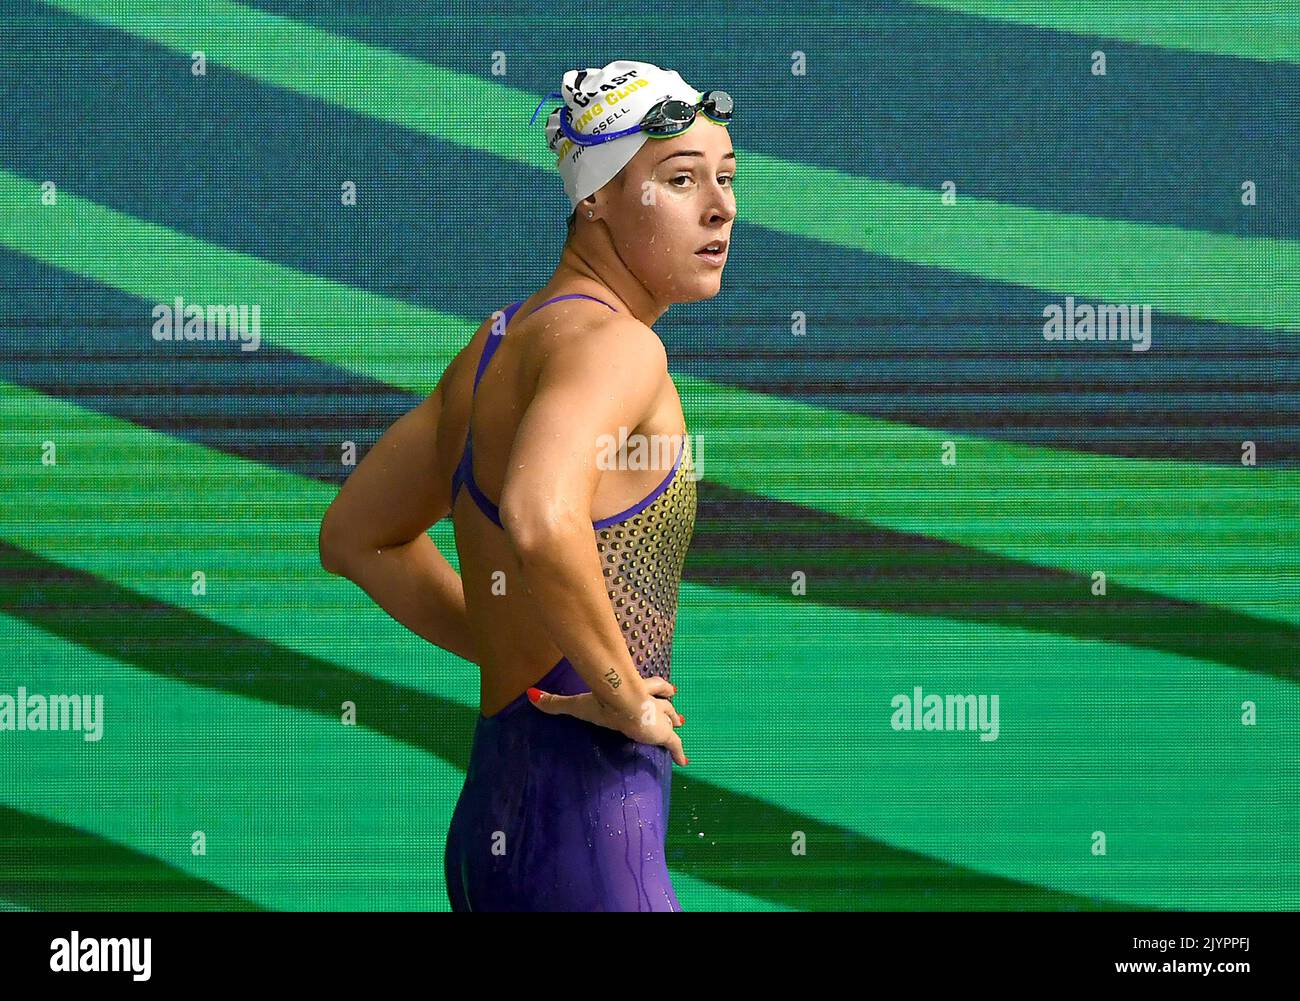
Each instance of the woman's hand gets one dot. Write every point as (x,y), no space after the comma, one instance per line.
(653,725)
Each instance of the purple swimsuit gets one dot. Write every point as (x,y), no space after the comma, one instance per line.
(558,814)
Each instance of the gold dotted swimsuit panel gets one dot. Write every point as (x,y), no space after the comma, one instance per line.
(641,558)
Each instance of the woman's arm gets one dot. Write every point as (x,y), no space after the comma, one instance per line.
(589,388)
(374,533)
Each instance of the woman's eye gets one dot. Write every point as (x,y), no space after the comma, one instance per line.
(725,177)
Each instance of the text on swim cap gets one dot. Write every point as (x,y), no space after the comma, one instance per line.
(609,99)
(581,99)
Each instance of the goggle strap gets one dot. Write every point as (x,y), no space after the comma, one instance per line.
(541,102)
(702,105)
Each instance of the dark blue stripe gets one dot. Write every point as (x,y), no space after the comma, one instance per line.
(914,345)
(922,96)
(47,865)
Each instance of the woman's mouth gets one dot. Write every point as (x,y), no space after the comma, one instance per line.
(715,252)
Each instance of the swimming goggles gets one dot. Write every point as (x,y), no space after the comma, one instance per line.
(668,118)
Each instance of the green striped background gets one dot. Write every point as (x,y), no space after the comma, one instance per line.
(1119,713)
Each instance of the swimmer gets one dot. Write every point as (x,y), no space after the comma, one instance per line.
(569,570)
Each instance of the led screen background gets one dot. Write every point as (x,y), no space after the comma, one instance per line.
(905,483)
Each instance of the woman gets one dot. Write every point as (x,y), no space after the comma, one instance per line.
(568,591)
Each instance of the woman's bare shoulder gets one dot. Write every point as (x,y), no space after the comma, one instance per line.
(617,346)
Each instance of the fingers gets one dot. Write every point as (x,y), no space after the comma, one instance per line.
(651,708)
(661,689)
(564,705)
(666,688)
(585,707)
(674,746)
(660,686)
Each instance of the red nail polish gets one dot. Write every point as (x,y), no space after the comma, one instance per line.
(683,719)
(534,694)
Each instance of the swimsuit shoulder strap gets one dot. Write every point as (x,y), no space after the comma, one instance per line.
(464,472)
(494,336)
(493,342)
(575,295)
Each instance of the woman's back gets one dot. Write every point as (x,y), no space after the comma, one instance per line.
(642,517)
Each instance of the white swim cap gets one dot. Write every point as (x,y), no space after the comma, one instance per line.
(607,100)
